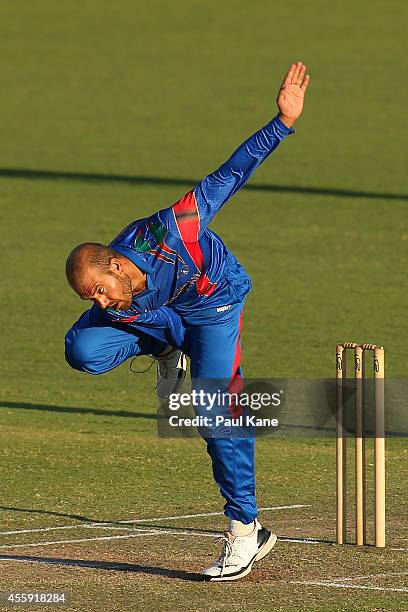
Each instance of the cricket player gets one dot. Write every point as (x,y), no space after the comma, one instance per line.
(168,286)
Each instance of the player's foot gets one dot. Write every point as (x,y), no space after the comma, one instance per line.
(239,553)
(171,372)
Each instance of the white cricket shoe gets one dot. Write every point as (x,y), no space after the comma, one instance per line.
(171,372)
(239,553)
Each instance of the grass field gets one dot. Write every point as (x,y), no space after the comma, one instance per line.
(110,111)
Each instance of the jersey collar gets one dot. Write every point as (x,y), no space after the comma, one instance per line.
(140,263)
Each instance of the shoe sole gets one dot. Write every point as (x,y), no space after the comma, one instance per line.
(262,552)
(267,547)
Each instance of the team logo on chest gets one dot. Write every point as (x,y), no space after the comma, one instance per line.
(150,239)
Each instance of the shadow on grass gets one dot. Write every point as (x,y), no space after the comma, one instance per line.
(28,174)
(101,523)
(151,524)
(111,566)
(77,517)
(75,410)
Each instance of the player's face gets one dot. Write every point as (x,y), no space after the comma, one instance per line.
(107,290)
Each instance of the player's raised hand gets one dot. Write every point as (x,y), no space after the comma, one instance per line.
(292,93)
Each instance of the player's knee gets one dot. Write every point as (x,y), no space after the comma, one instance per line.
(81,351)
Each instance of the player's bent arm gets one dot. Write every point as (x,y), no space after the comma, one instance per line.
(162,318)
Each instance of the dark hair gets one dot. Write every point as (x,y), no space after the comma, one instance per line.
(90,254)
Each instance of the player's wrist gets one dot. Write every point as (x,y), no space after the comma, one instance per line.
(288,121)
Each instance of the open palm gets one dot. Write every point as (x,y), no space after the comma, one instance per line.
(292,92)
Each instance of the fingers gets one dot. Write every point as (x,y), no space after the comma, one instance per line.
(305,83)
(295,75)
(301,75)
(288,78)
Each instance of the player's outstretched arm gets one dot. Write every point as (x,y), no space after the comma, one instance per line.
(218,187)
(189,217)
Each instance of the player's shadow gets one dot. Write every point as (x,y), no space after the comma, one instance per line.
(76,410)
(95,523)
(77,517)
(101,522)
(111,566)
(28,174)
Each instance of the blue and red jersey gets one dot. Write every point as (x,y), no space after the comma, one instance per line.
(189,269)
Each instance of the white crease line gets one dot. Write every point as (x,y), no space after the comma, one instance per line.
(76,563)
(404,549)
(111,524)
(310,583)
(301,540)
(141,532)
(338,585)
(119,537)
(388,575)
(64,527)
(184,516)
(97,527)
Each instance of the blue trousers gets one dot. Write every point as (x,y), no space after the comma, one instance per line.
(94,346)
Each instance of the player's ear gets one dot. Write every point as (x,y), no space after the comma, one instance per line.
(115,265)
